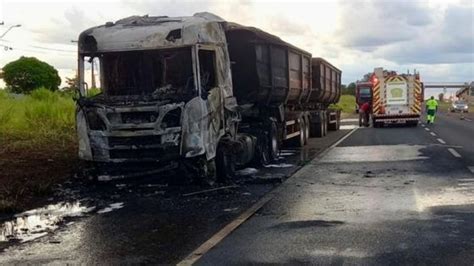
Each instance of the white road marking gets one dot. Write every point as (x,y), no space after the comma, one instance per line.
(471,168)
(423,125)
(433,134)
(349,120)
(463,188)
(427,129)
(441,141)
(454,153)
(466,184)
(466,180)
(346,127)
(467,119)
(379,153)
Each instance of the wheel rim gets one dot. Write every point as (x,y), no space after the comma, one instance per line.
(302,132)
(274,145)
(306,130)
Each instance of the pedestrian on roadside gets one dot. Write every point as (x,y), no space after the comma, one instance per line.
(431,109)
(364,114)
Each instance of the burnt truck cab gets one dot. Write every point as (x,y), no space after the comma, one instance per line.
(166,90)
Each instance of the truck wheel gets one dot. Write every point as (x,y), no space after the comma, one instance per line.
(274,144)
(225,164)
(300,140)
(306,129)
(325,125)
(317,130)
(201,170)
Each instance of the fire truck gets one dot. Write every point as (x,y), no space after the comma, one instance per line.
(397,98)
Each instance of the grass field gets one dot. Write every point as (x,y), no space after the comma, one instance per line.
(37,145)
(347,104)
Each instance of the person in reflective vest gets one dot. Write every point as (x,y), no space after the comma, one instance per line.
(431,109)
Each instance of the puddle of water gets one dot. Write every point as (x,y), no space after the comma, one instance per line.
(36,223)
(380,153)
(111,207)
(247,171)
(281,165)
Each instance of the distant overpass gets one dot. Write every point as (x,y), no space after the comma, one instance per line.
(447,85)
(466,88)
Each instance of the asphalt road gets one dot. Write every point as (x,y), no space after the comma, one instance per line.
(385,196)
(144,221)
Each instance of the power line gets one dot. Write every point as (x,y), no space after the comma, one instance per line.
(40,47)
(52,49)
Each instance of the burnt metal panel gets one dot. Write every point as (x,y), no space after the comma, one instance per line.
(266,70)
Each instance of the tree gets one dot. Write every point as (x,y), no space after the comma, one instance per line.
(441,97)
(349,89)
(71,84)
(29,73)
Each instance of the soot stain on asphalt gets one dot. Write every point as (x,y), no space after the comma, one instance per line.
(306,224)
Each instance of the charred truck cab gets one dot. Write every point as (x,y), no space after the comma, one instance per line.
(166,86)
(197,91)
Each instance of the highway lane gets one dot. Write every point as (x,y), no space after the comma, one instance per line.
(382,196)
(450,128)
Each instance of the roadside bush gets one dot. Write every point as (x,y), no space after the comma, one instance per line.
(43,94)
(347,104)
(41,117)
(93,92)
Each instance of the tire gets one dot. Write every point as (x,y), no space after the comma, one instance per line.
(224,164)
(273,141)
(202,171)
(325,125)
(317,130)
(306,129)
(300,140)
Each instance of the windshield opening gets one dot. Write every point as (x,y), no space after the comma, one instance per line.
(364,92)
(163,74)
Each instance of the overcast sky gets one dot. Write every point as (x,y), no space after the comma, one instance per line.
(436,37)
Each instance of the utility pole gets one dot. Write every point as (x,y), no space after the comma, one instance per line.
(93,74)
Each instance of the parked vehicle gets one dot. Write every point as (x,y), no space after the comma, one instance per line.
(198,93)
(363,94)
(396,98)
(459,106)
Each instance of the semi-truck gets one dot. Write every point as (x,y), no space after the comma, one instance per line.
(397,98)
(198,93)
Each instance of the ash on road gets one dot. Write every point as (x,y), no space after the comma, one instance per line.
(139,221)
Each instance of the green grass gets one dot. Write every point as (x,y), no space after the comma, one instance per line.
(41,117)
(443,106)
(347,104)
(38,146)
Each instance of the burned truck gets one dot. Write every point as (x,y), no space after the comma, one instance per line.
(198,92)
